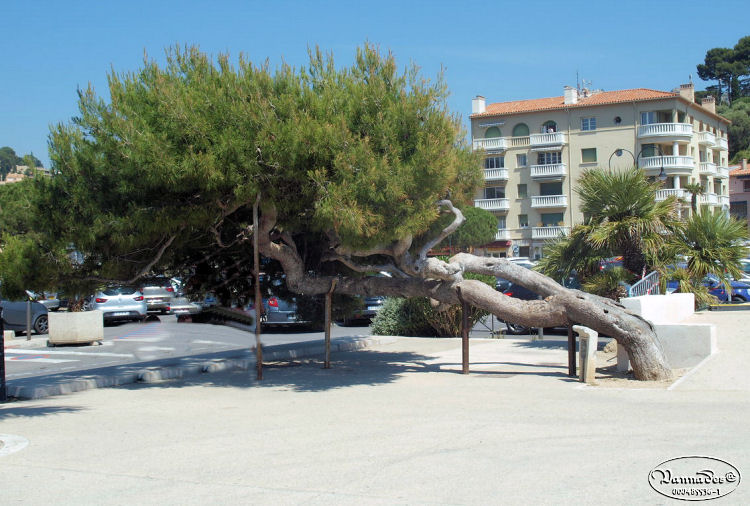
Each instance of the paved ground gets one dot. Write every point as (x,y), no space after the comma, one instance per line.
(393,424)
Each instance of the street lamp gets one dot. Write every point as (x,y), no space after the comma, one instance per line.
(662,175)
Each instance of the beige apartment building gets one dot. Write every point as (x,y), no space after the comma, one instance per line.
(535,151)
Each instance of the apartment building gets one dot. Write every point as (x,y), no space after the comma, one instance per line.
(739,191)
(535,151)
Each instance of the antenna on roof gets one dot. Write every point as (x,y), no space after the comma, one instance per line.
(578,84)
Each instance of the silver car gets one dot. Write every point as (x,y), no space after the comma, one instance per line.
(158,292)
(120,303)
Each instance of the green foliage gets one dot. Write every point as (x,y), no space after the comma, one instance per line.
(610,283)
(739,131)
(9,159)
(686,283)
(403,317)
(727,66)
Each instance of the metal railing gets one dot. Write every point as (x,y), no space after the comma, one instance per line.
(649,285)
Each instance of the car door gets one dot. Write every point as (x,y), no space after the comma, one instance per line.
(14,313)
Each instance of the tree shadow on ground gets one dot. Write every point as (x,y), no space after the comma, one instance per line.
(16,409)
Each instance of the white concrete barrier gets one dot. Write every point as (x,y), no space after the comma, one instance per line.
(77,327)
(662,309)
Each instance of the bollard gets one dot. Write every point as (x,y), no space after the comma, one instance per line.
(588,342)
(623,360)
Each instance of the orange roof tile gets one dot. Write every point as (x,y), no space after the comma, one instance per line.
(600,98)
(737,170)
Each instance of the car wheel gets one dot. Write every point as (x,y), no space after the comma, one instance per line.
(41,325)
(738,299)
(516,329)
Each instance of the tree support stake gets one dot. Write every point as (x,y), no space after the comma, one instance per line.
(329,305)
(464,333)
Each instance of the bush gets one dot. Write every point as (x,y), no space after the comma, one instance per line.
(415,317)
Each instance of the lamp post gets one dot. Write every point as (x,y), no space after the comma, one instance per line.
(662,175)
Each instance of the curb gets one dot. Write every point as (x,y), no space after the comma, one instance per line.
(39,387)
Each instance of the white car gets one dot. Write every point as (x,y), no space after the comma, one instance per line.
(120,303)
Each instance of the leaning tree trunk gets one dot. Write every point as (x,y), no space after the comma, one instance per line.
(440,281)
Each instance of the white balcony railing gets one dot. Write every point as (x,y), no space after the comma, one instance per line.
(495,174)
(706,138)
(668,162)
(555,170)
(548,232)
(722,172)
(492,204)
(491,144)
(724,200)
(710,199)
(549,201)
(502,234)
(722,144)
(681,130)
(551,139)
(680,193)
(707,169)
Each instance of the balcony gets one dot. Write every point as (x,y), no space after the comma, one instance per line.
(492,204)
(680,193)
(502,234)
(666,131)
(551,171)
(491,144)
(495,174)
(551,140)
(549,201)
(710,199)
(707,169)
(722,172)
(723,200)
(549,232)
(722,144)
(675,164)
(706,139)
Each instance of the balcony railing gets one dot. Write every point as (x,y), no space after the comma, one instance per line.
(555,170)
(680,193)
(549,201)
(519,141)
(724,200)
(680,130)
(722,144)
(544,140)
(668,162)
(491,144)
(706,138)
(710,199)
(495,174)
(492,204)
(502,234)
(707,169)
(722,172)
(548,232)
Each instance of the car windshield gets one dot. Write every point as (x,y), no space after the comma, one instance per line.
(157,282)
(119,290)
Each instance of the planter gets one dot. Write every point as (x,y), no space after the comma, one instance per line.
(76,328)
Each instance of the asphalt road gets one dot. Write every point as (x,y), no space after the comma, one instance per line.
(145,342)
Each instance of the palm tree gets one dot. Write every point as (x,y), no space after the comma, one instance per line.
(695,189)
(623,215)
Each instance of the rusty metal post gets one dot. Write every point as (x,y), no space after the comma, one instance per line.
(3,389)
(28,320)
(571,351)
(464,333)
(329,306)
(258,297)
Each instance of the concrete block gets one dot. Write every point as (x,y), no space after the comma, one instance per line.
(662,309)
(77,327)
(588,343)
(687,344)
(623,361)
(9,334)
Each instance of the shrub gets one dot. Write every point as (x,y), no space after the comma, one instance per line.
(415,317)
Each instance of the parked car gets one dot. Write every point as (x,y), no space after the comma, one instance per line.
(158,293)
(365,314)
(740,289)
(14,316)
(280,312)
(181,306)
(503,284)
(120,303)
(523,293)
(48,299)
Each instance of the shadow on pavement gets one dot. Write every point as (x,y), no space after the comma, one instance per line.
(18,410)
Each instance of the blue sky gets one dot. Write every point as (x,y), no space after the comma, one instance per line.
(503,50)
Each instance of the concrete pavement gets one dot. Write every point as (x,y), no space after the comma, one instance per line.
(391,424)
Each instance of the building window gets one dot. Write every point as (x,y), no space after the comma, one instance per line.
(588,123)
(552,219)
(549,158)
(648,150)
(550,189)
(746,185)
(522,191)
(494,192)
(494,162)
(648,118)
(588,155)
(501,222)
(492,132)
(738,210)
(549,127)
(521,160)
(521,130)
(523,220)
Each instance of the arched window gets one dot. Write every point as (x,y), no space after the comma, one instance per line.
(521,130)
(492,132)
(549,127)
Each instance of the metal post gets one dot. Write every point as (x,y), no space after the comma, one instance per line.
(258,297)
(28,320)
(571,351)
(464,334)
(3,391)
(329,305)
